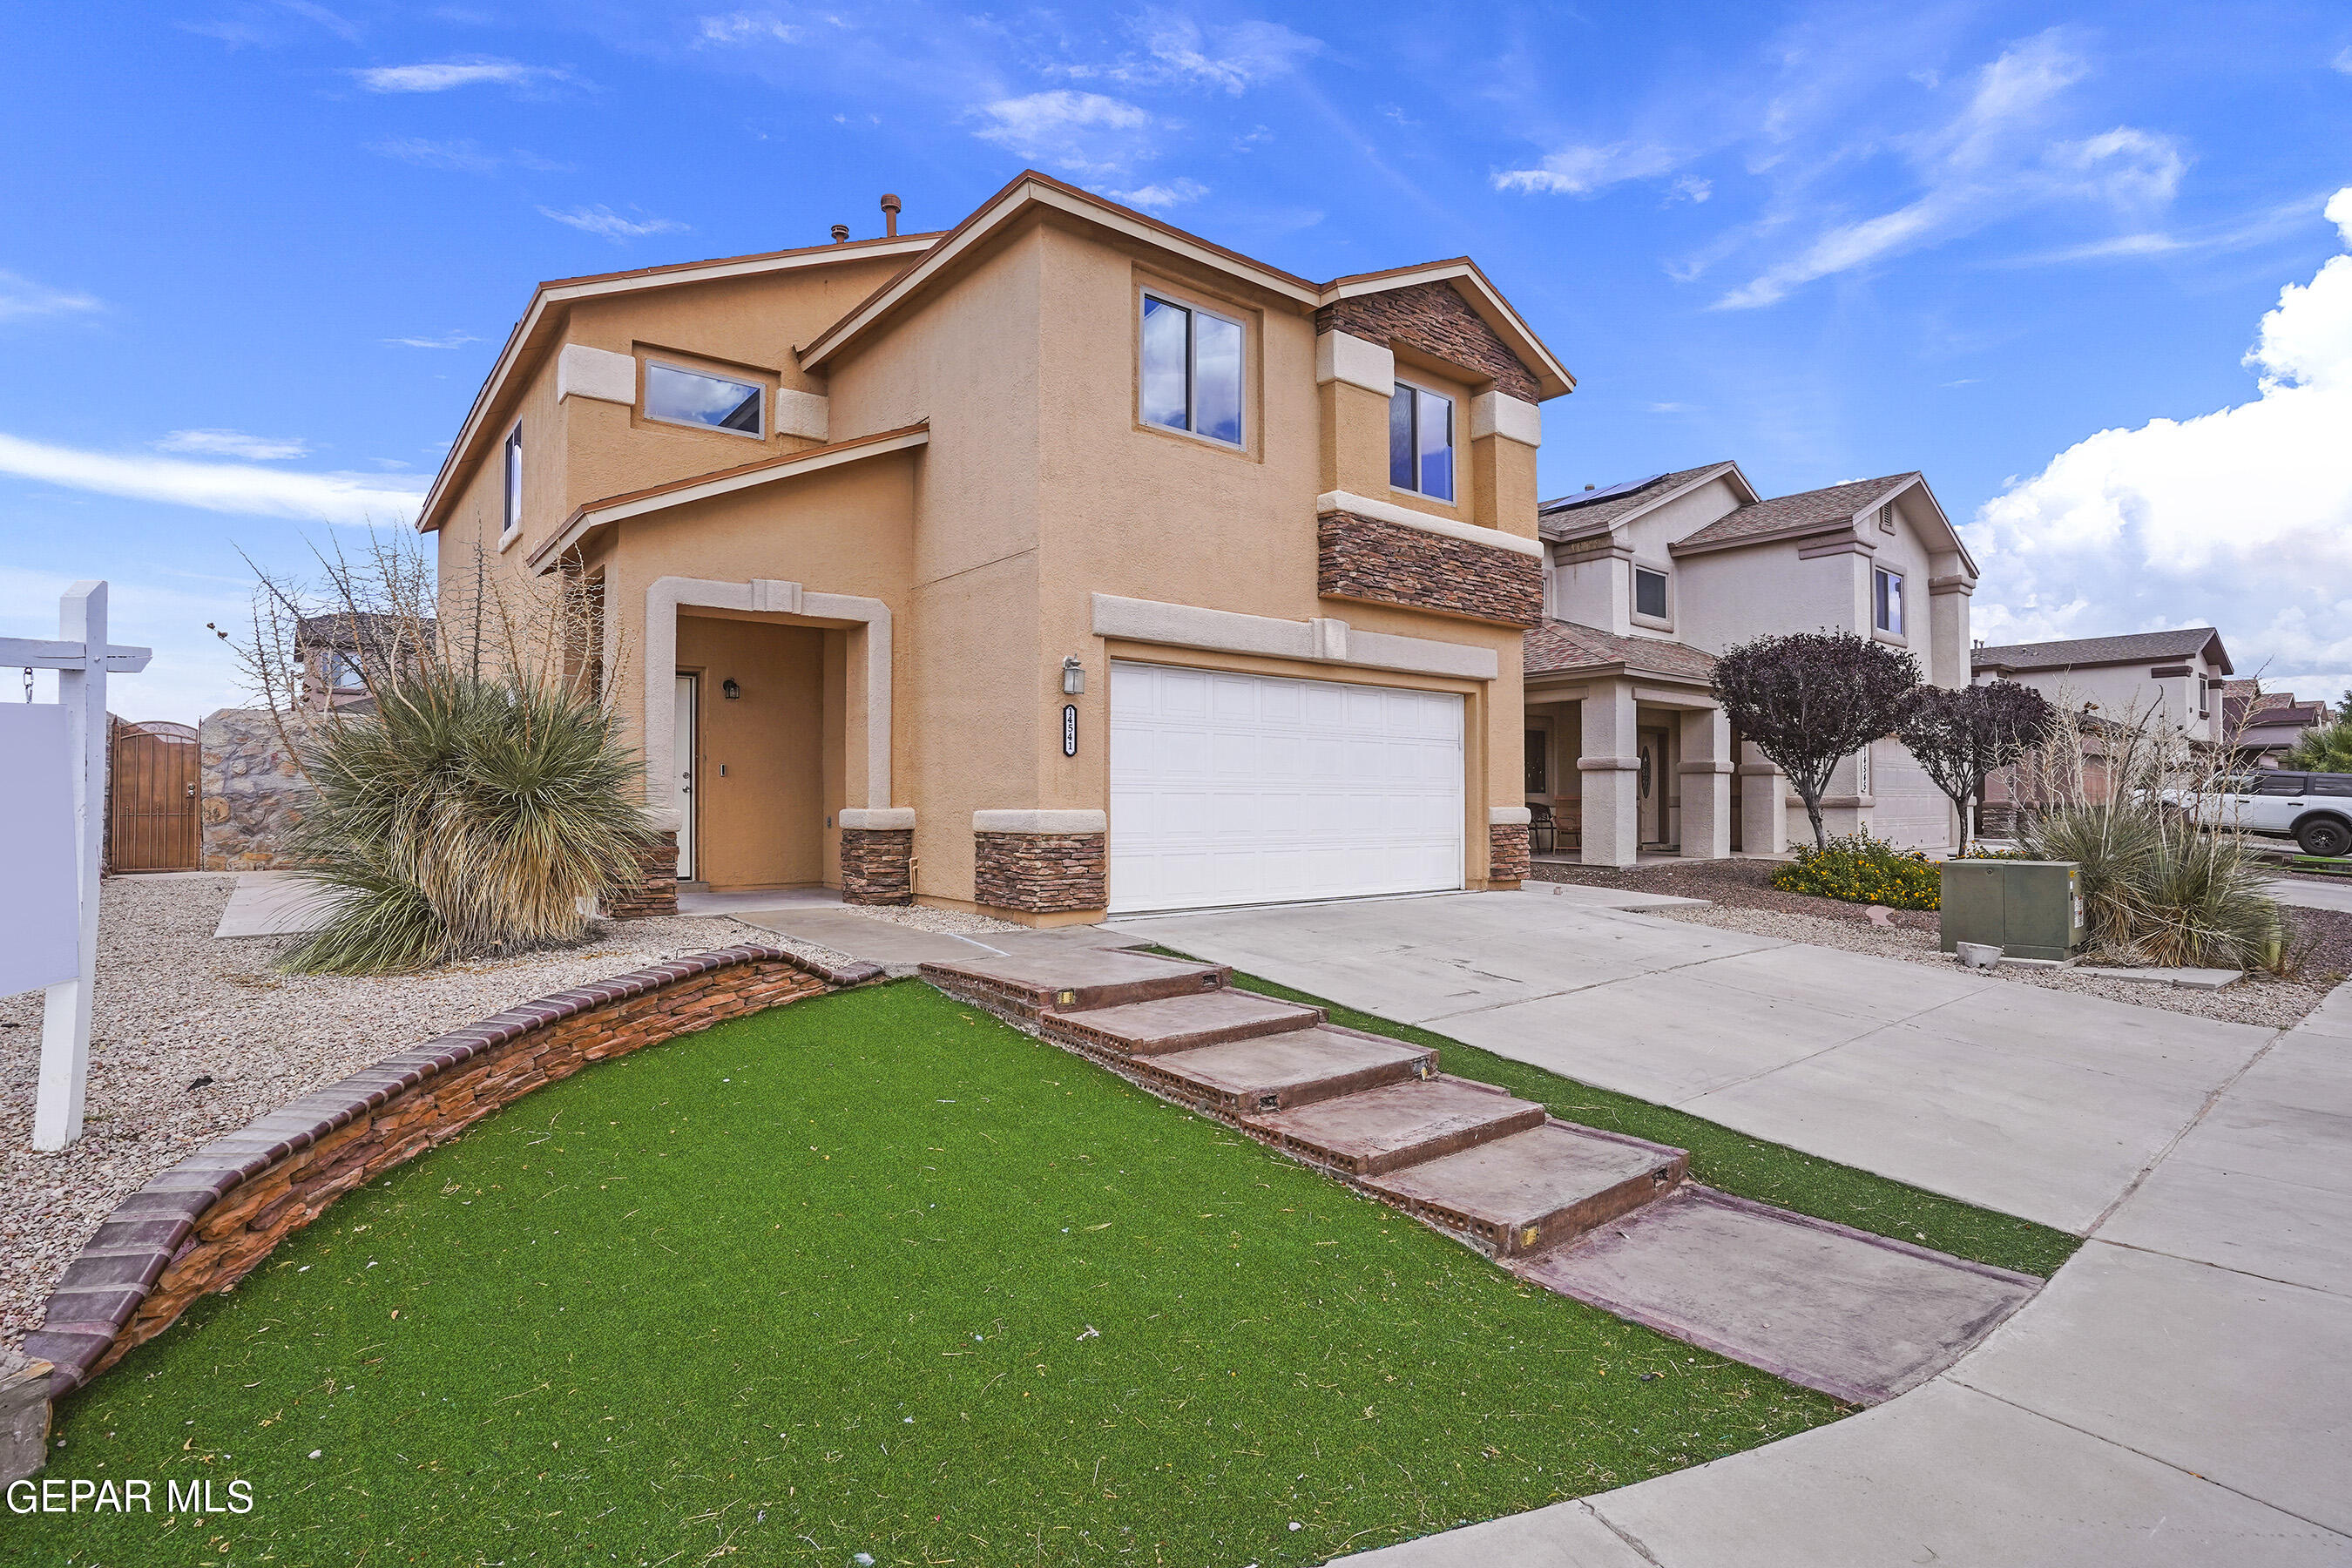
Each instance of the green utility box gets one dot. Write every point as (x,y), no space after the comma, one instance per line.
(2027,909)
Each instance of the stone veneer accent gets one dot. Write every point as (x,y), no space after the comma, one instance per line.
(203,1223)
(655,892)
(250,793)
(1435,319)
(1507,856)
(1043,873)
(878,865)
(1386,562)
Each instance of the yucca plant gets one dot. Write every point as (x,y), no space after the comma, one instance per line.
(469,815)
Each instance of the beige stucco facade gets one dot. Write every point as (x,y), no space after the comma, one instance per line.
(954,494)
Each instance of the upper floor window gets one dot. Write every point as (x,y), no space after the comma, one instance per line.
(335,671)
(1649,592)
(1887,600)
(678,396)
(513,519)
(1421,441)
(1191,370)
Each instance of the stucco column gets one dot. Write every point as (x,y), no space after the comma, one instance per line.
(1612,767)
(1705,777)
(1763,804)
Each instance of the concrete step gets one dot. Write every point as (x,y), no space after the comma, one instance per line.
(1177,1023)
(1535,1189)
(1072,980)
(1278,1072)
(1858,1317)
(1384,1130)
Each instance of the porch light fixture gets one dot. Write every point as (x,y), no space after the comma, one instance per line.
(1074,677)
(729,689)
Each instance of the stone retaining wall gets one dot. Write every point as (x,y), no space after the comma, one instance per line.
(204,1222)
(1387,564)
(1043,873)
(250,793)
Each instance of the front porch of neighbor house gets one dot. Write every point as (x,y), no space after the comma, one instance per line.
(1628,754)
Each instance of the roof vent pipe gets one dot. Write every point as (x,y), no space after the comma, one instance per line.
(890,214)
(840,234)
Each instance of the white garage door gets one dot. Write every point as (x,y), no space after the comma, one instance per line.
(1911,812)
(1246,789)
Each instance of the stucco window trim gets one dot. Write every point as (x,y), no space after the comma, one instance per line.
(1357,362)
(667,595)
(1512,418)
(1059,823)
(1323,640)
(1429,522)
(585,372)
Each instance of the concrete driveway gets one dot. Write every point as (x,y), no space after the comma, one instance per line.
(2032,1101)
(2181,1393)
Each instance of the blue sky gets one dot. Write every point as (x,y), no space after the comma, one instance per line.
(258,253)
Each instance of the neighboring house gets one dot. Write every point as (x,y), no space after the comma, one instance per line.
(2264,726)
(2175,677)
(335,652)
(1060,563)
(1645,582)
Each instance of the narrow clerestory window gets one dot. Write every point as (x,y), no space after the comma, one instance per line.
(513,519)
(678,396)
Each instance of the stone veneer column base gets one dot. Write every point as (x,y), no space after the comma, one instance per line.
(655,892)
(1507,856)
(877,866)
(1041,873)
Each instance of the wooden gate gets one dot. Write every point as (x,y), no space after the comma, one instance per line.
(151,798)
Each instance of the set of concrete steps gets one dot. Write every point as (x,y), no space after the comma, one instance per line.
(1597,1215)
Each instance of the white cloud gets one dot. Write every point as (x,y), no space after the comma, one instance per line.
(1672,407)
(192,673)
(449,340)
(1994,158)
(739,27)
(464,157)
(2343,60)
(235,488)
(1079,132)
(2241,519)
(1161,194)
(21,297)
(444,75)
(1584,171)
(605,223)
(1232,59)
(232,444)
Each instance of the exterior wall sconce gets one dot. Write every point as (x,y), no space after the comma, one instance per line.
(1074,677)
(729,689)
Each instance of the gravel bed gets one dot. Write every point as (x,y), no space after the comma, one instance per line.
(174,1003)
(1734,884)
(951,923)
(2257,999)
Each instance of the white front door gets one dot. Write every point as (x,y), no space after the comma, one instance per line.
(685,746)
(1244,789)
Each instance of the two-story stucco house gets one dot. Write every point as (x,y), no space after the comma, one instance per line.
(1057,563)
(1645,582)
(2175,678)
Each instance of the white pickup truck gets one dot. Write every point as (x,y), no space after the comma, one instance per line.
(2313,809)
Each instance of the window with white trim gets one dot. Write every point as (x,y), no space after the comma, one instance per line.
(1192,364)
(675,396)
(1421,441)
(513,519)
(1649,592)
(1887,600)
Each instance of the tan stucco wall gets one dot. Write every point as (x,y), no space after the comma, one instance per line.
(759,822)
(2126,694)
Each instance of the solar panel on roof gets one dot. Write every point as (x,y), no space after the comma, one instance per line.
(1588,497)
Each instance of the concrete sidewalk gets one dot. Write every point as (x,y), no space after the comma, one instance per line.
(2181,1393)
(2311,894)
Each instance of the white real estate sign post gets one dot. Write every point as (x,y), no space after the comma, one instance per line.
(52,815)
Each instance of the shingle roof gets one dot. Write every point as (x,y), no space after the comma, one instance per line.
(1573,516)
(1838,503)
(1560,646)
(2074,652)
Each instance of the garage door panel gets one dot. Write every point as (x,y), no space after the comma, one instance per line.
(1249,789)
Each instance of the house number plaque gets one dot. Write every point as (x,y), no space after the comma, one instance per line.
(1069,729)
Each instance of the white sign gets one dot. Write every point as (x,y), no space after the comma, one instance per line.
(41,894)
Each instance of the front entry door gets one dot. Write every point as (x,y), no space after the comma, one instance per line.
(1654,786)
(685,747)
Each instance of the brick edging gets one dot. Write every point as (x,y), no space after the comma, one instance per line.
(203,1224)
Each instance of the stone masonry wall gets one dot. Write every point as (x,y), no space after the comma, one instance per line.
(1389,563)
(655,892)
(1435,320)
(878,865)
(201,1226)
(1507,860)
(250,794)
(1043,873)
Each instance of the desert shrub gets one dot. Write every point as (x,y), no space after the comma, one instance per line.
(467,815)
(2325,750)
(1859,869)
(2159,889)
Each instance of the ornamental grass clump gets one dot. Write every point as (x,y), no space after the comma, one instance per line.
(1857,868)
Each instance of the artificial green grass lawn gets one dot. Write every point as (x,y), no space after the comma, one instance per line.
(874,1273)
(1736,1163)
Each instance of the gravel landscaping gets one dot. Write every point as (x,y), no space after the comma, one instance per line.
(176,1005)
